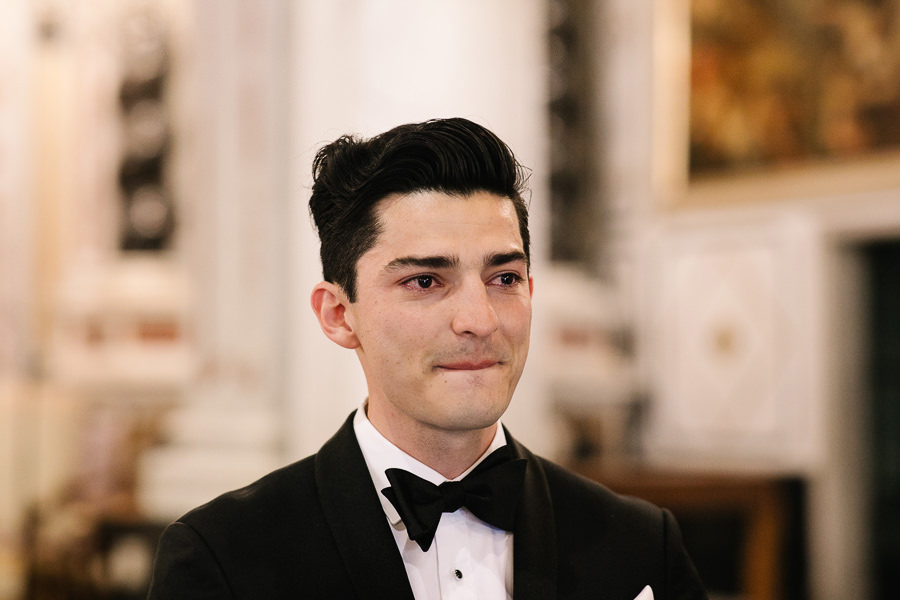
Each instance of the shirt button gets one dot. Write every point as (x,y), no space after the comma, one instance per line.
(458,574)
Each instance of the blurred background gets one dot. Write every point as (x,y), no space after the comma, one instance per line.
(716,223)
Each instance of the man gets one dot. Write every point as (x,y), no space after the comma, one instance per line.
(425,256)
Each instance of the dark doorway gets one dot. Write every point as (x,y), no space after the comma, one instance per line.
(883,260)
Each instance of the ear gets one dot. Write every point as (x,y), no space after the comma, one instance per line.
(329,302)
(531,286)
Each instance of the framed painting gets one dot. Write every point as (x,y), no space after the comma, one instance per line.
(789,97)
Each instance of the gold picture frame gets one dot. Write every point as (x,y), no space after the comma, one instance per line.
(758,101)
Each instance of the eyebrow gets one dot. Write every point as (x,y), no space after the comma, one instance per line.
(423,262)
(451,262)
(502,258)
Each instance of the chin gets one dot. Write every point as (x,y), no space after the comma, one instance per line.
(475,413)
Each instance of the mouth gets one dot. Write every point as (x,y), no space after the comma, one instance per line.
(468,365)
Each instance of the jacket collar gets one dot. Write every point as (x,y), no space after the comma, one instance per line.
(380,454)
(357,521)
(534,541)
(354,514)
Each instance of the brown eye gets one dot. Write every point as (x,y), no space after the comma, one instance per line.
(424,281)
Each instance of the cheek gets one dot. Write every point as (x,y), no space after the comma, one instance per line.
(517,323)
(400,337)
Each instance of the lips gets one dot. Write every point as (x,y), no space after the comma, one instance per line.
(468,365)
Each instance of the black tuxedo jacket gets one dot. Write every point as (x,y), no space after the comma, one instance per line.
(316,529)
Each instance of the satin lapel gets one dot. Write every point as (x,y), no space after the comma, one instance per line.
(534,541)
(357,521)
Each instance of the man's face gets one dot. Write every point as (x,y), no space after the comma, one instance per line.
(443,312)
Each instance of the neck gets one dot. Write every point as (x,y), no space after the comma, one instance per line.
(449,453)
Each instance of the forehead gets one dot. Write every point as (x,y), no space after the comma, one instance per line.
(435,222)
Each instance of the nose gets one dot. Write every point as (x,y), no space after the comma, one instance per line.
(474,313)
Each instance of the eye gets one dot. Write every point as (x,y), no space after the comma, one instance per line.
(420,282)
(509,279)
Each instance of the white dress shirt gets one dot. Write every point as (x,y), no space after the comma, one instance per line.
(468,559)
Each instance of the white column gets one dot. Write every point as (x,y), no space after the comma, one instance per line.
(364,66)
(16,334)
(232,209)
(15,166)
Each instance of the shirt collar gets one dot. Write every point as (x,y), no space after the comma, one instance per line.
(381,454)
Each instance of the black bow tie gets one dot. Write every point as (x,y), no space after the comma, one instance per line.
(491,491)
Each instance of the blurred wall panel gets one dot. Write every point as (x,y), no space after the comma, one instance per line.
(16,260)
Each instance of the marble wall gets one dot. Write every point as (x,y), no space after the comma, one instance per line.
(740,294)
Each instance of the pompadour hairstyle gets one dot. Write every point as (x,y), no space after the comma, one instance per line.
(351,175)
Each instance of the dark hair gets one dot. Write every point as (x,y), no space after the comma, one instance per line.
(351,175)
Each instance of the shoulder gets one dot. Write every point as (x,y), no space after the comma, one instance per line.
(265,525)
(285,499)
(591,518)
(595,525)
(571,486)
(269,539)
(281,491)
(574,494)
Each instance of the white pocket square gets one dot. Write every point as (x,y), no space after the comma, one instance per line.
(646,594)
